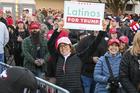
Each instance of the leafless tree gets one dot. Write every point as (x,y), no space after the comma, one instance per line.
(116,6)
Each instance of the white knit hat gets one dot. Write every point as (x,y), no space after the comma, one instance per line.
(65,40)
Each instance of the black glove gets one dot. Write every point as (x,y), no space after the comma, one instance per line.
(111,79)
(114,82)
(113,85)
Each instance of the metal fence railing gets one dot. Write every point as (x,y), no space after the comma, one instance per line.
(47,86)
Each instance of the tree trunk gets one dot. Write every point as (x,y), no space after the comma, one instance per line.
(116,6)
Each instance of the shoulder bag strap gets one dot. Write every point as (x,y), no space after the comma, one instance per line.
(109,67)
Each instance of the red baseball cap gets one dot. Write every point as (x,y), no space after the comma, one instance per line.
(34,25)
(20,21)
(124,39)
(112,41)
(113,30)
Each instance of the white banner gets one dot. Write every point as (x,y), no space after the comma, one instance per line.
(83,15)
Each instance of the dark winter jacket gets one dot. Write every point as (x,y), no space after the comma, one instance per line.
(3,20)
(130,72)
(70,79)
(100,49)
(11,44)
(128,32)
(17,45)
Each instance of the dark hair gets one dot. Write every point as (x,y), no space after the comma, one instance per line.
(73,51)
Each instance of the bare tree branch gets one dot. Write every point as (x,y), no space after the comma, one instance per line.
(100,1)
(117,6)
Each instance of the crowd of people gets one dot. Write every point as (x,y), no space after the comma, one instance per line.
(80,61)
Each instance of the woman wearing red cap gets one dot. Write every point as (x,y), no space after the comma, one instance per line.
(123,43)
(113,33)
(130,67)
(102,73)
(21,33)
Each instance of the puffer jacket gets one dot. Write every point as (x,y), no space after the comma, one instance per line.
(70,78)
(130,72)
(101,72)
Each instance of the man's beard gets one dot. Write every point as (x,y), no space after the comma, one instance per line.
(35,37)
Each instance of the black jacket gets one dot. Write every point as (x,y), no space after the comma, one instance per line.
(98,48)
(130,72)
(3,20)
(70,78)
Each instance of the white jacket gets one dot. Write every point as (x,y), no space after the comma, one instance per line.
(4,36)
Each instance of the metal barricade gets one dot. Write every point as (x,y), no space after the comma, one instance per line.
(49,87)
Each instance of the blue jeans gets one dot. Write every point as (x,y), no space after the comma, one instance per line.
(1,60)
(92,87)
(86,82)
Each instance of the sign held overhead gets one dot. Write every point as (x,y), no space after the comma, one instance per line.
(83,15)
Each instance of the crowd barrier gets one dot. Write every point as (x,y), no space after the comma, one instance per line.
(47,86)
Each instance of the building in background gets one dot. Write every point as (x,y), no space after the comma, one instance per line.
(17,6)
(54,4)
(133,7)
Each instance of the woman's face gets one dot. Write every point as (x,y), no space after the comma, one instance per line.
(114,35)
(20,25)
(122,45)
(64,49)
(113,49)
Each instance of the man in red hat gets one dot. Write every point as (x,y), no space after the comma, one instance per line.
(35,51)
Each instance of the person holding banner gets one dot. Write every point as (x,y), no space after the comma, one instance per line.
(69,63)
